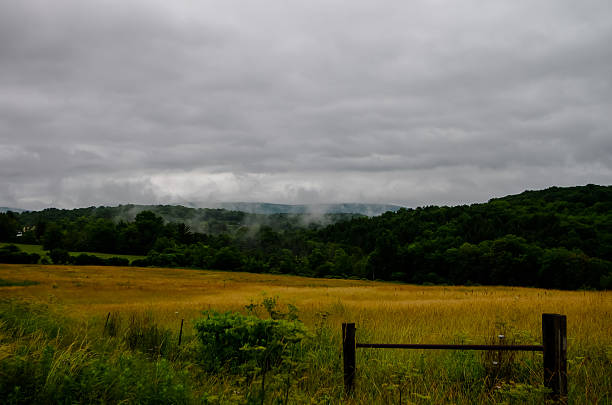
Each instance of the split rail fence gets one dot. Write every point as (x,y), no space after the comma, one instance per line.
(554,348)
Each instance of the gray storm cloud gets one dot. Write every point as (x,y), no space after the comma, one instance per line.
(413,103)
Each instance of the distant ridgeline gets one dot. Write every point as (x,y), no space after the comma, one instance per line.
(7,209)
(207,220)
(554,238)
(311,209)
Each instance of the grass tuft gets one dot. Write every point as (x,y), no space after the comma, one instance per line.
(17,283)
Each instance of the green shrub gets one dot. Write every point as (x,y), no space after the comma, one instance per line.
(141,262)
(85,260)
(12,254)
(244,342)
(117,261)
(60,256)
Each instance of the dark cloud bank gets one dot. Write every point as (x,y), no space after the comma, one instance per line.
(412,103)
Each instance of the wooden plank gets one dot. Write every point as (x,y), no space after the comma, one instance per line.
(527,348)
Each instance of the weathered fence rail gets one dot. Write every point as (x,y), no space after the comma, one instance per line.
(554,348)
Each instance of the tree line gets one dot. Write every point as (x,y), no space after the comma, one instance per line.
(554,238)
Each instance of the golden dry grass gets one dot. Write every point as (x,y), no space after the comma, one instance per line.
(384,312)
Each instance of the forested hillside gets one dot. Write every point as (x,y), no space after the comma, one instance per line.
(206,220)
(555,238)
(559,237)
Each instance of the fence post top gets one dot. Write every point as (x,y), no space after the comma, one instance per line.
(552,315)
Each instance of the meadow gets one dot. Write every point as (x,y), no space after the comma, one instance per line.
(78,300)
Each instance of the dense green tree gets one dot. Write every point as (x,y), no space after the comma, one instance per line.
(149,227)
(8,227)
(227,258)
(101,236)
(59,256)
(53,237)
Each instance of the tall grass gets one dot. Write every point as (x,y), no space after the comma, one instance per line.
(45,358)
(78,359)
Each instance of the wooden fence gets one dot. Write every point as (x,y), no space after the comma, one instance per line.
(554,348)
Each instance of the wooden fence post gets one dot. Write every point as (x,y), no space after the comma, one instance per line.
(181,332)
(106,323)
(348,352)
(554,341)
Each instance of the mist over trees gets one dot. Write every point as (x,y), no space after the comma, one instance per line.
(555,238)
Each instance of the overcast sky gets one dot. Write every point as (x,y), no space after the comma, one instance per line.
(408,102)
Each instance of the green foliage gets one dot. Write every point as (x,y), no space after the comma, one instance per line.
(271,306)
(12,254)
(8,227)
(149,227)
(116,261)
(141,263)
(60,256)
(554,238)
(53,237)
(227,258)
(51,374)
(44,360)
(243,343)
(85,259)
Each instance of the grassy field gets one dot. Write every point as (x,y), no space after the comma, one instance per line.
(383,312)
(27,248)
(39,250)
